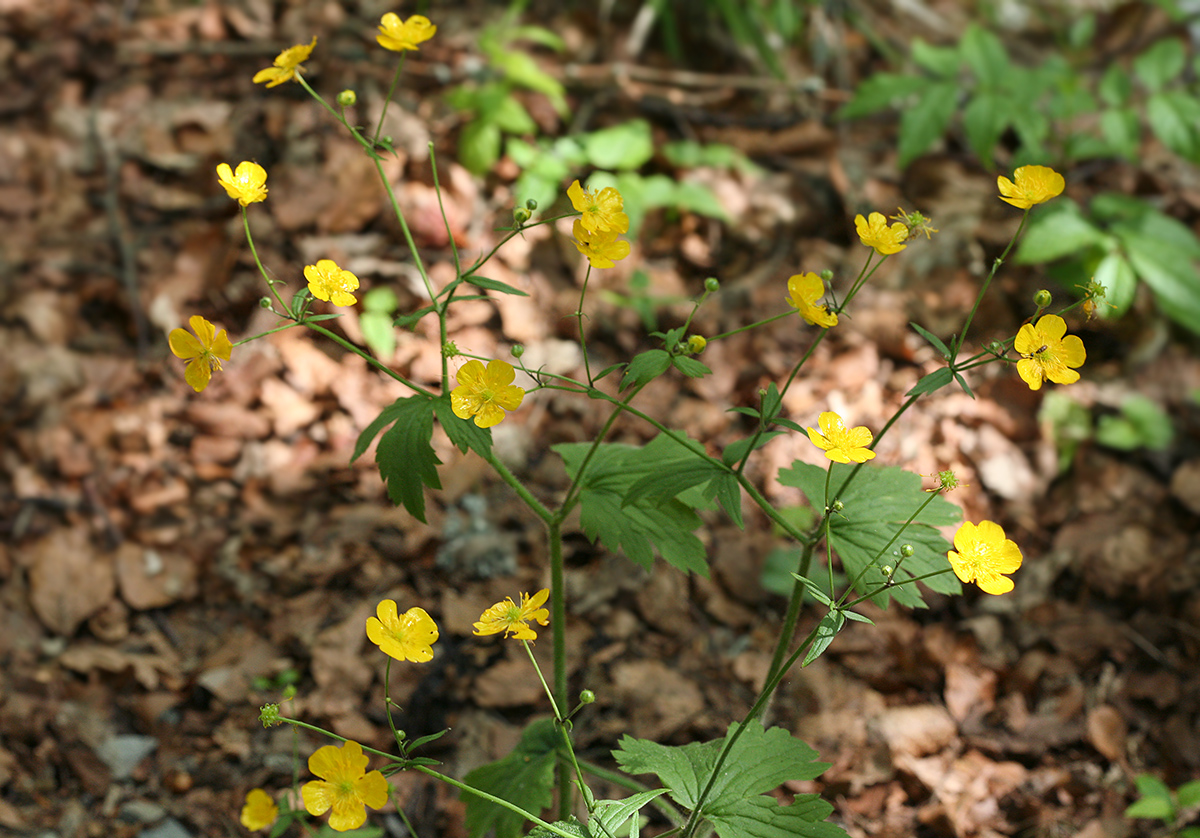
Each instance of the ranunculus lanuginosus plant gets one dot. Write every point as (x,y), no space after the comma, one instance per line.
(876,519)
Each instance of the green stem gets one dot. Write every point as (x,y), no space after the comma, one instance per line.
(491,798)
(579,317)
(382,367)
(730,740)
(388,100)
(958,344)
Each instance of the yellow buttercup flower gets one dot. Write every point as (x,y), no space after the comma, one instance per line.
(803,292)
(260,810)
(407,637)
(602,211)
(1034,185)
(400,35)
(510,618)
(874,232)
(344,786)
(287,64)
(485,393)
(840,444)
(330,283)
(247,185)
(983,554)
(1045,353)
(602,249)
(204,352)
(696,344)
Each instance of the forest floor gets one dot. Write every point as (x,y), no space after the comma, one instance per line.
(171,559)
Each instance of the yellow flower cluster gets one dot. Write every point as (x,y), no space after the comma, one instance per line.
(841,444)
(484,394)
(803,292)
(602,219)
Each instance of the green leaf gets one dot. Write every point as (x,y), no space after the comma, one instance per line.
(406,460)
(935,380)
(524,777)
(1173,116)
(1164,254)
(522,69)
(827,630)
(927,120)
(1159,64)
(738,806)
(1143,424)
(690,366)
(493,285)
(735,451)
(984,53)
(610,815)
(626,145)
(984,119)
(378,332)
(881,92)
(1120,284)
(934,340)
(479,146)
(700,199)
(1122,130)
(512,118)
(1151,807)
(941,61)
(649,522)
(875,506)
(1115,86)
(646,367)
(408,321)
(1057,231)
(464,433)
(962,382)
(1188,794)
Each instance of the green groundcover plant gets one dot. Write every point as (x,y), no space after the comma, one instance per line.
(880,523)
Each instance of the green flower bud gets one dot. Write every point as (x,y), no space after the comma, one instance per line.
(531,205)
(587,697)
(1042,298)
(838,506)
(906,550)
(887,570)
(517,350)
(268,714)
(995,347)
(347,98)
(696,344)
(264,302)
(521,215)
(826,276)
(712,285)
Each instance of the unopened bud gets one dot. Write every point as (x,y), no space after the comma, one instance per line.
(1042,298)
(587,697)
(995,347)
(521,215)
(517,350)
(826,275)
(712,285)
(347,98)
(838,506)
(264,302)
(696,344)
(906,550)
(531,205)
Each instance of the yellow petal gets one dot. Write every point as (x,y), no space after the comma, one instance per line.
(317,796)
(184,345)
(198,373)
(1072,352)
(1030,372)
(373,789)
(1053,327)
(1027,340)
